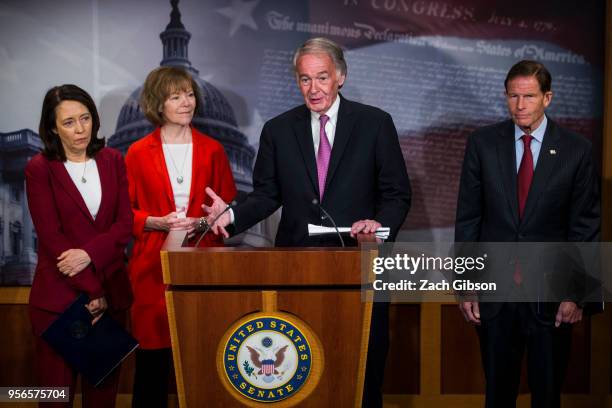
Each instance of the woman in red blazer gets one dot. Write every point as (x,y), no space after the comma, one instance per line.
(168,171)
(79,203)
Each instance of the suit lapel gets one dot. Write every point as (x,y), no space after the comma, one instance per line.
(544,166)
(105,186)
(197,152)
(62,176)
(344,126)
(159,164)
(303,134)
(506,153)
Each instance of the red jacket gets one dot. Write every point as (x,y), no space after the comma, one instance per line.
(151,195)
(62,222)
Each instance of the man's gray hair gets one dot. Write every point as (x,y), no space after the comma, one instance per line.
(322,45)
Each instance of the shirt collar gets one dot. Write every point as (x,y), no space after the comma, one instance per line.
(537,134)
(332,112)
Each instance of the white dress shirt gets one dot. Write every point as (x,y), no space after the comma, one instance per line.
(330,130)
(536,143)
(330,126)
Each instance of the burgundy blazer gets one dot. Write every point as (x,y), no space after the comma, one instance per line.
(62,222)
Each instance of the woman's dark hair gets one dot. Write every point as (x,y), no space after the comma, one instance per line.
(53,148)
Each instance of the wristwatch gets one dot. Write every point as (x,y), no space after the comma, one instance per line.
(202,225)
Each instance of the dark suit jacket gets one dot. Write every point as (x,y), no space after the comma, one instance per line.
(367,176)
(562,205)
(62,222)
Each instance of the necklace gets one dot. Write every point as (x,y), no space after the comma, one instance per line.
(83,179)
(179,178)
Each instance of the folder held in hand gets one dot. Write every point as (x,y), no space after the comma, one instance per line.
(95,351)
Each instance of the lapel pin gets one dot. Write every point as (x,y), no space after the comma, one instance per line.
(552,151)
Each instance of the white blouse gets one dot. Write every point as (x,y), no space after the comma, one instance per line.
(178,162)
(86,178)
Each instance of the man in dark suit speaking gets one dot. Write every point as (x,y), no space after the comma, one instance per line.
(526,180)
(330,152)
(341,154)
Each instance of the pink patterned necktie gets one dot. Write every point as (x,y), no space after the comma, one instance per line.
(323,156)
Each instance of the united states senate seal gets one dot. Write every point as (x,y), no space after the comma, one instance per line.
(268,357)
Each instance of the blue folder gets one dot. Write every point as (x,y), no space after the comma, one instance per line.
(95,351)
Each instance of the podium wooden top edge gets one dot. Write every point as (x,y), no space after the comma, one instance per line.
(176,239)
(260,267)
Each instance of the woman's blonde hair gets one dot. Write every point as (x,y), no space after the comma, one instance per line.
(159,85)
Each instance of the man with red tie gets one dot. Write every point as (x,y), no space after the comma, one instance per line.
(526,180)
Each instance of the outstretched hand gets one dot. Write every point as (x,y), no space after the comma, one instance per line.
(216,215)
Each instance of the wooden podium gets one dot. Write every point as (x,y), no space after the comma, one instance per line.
(244,321)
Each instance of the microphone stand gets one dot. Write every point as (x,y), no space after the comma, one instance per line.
(329,217)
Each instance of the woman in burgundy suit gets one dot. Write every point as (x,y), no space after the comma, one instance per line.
(168,171)
(79,203)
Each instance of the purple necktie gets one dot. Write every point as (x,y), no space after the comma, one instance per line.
(323,156)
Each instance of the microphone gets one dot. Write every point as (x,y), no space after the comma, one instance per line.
(210,225)
(329,217)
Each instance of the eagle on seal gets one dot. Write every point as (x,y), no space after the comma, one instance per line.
(259,363)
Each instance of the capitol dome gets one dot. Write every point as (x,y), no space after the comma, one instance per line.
(215,118)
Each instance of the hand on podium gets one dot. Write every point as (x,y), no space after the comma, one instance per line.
(217,213)
(365,227)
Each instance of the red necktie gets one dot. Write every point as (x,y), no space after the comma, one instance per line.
(524,177)
(525,174)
